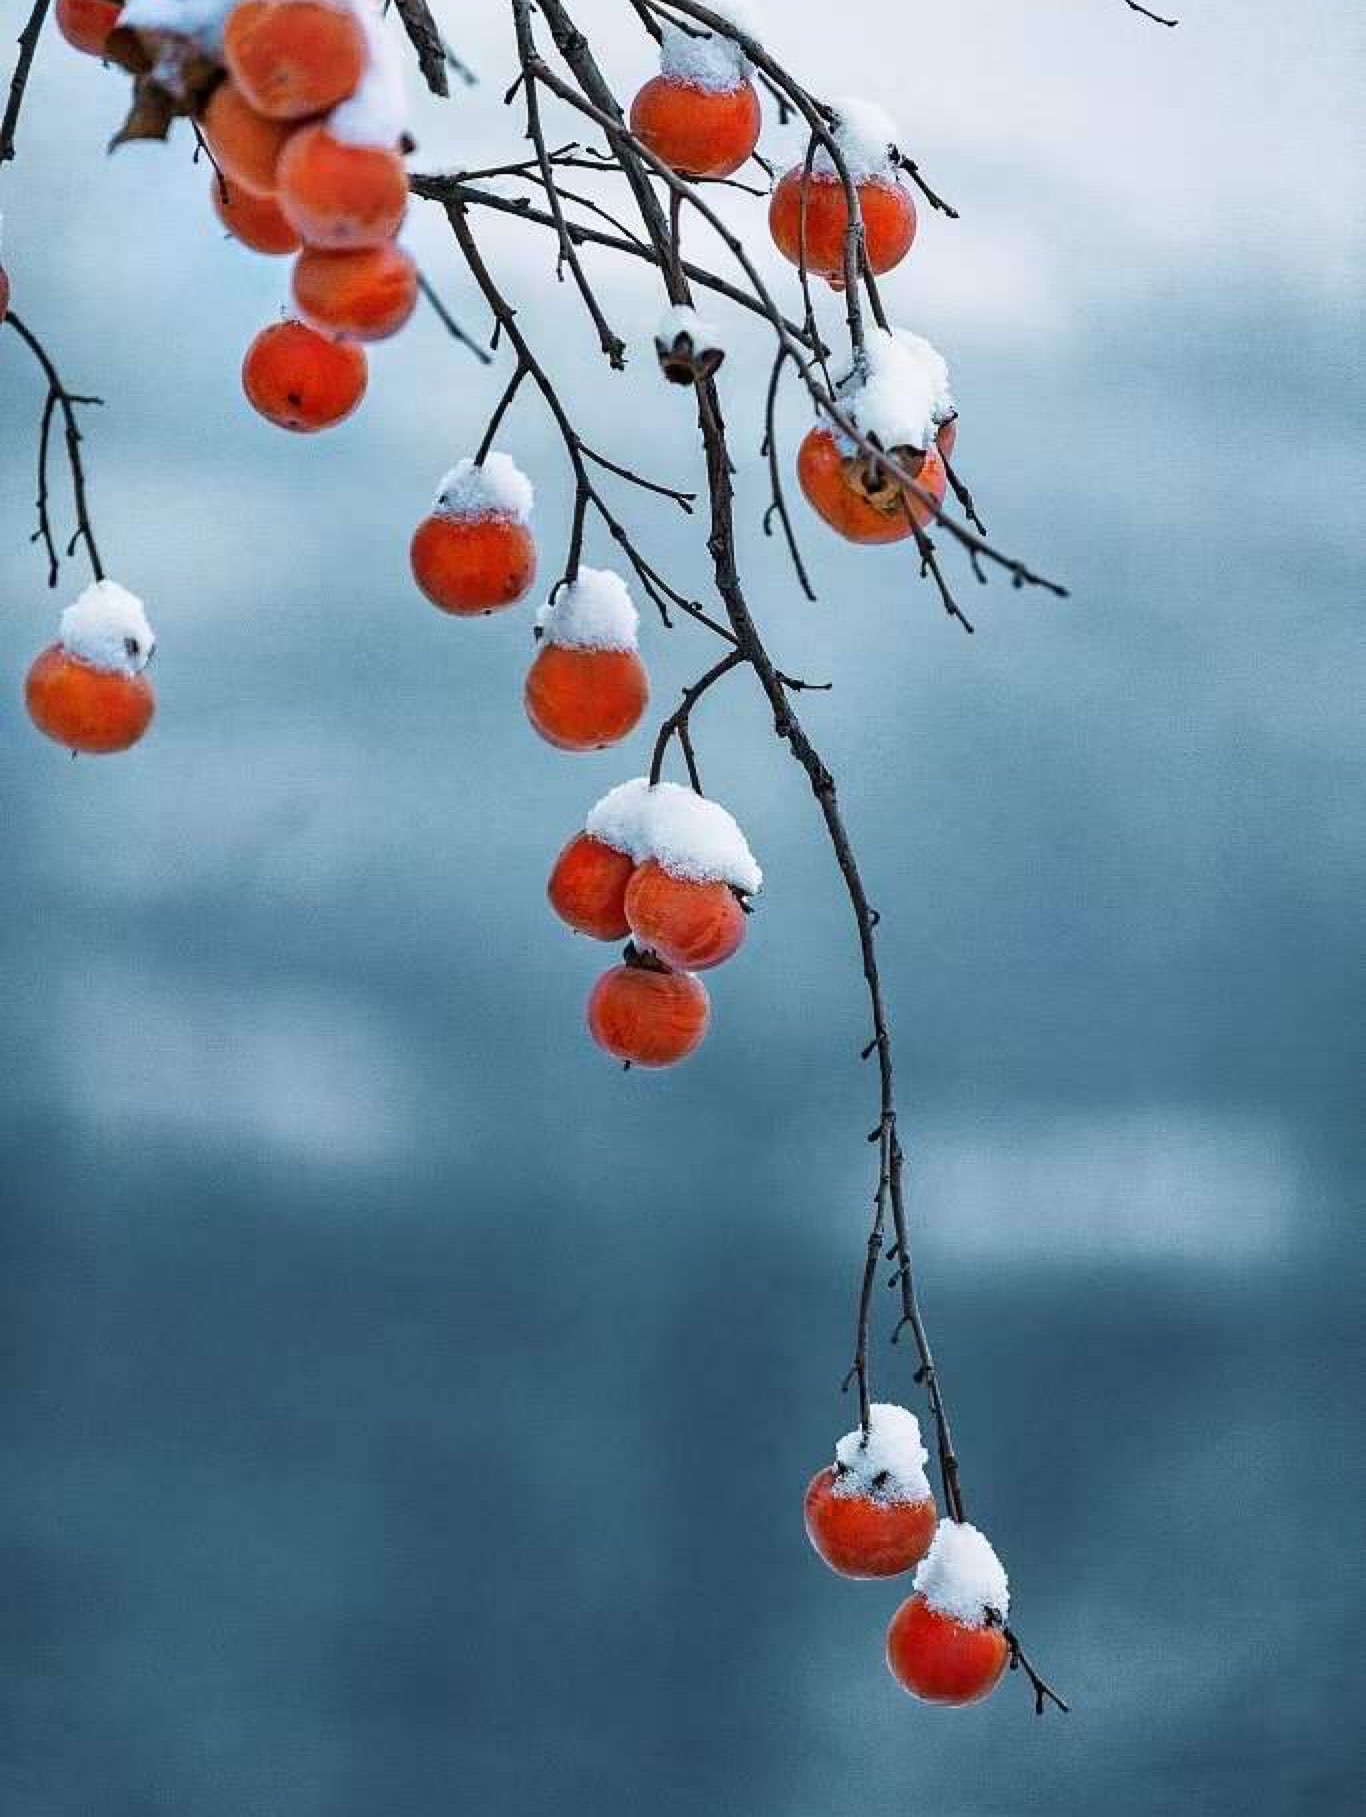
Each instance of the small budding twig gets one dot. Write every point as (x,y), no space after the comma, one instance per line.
(59,399)
(28,45)
(679,722)
(449,323)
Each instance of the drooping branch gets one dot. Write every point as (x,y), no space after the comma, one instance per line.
(66,403)
(426,40)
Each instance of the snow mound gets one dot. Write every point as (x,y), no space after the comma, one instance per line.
(867,139)
(704,59)
(680,319)
(961,1577)
(687,834)
(899,391)
(497,489)
(889,1466)
(377,113)
(593,612)
(107,628)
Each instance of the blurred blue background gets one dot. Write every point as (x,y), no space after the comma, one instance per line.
(405,1411)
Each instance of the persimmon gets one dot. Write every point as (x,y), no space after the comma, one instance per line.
(871,1512)
(699,132)
(647,1016)
(889,222)
(86,24)
(858,497)
(246,146)
(341,195)
(474,553)
(587,687)
(365,295)
(587,887)
(253,219)
(947,1642)
(692,925)
(941,1660)
(88,691)
(301,380)
(293,58)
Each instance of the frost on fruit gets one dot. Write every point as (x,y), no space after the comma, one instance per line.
(961,1577)
(594,612)
(498,488)
(898,392)
(107,628)
(886,1465)
(377,113)
(705,59)
(683,832)
(866,136)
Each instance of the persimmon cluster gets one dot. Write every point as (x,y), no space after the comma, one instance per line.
(871,1514)
(301,107)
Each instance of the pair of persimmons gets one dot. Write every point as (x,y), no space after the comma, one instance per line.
(871,1515)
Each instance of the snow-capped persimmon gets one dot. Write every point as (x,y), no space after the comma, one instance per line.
(585,700)
(253,219)
(871,1512)
(699,132)
(587,887)
(86,24)
(858,497)
(947,1643)
(474,552)
(293,58)
(647,1016)
(941,1660)
(691,925)
(587,687)
(301,380)
(339,195)
(246,146)
(889,222)
(364,296)
(88,691)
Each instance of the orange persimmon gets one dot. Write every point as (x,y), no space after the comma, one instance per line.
(300,379)
(365,295)
(699,132)
(860,500)
(942,1660)
(84,707)
(339,195)
(587,887)
(862,1535)
(246,146)
(584,699)
(471,565)
(86,24)
(647,1016)
(691,925)
(254,220)
(889,222)
(293,58)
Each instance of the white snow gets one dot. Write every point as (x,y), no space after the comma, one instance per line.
(497,489)
(107,628)
(593,613)
(201,20)
(900,391)
(890,1466)
(961,1576)
(376,114)
(704,59)
(680,319)
(684,832)
(866,137)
